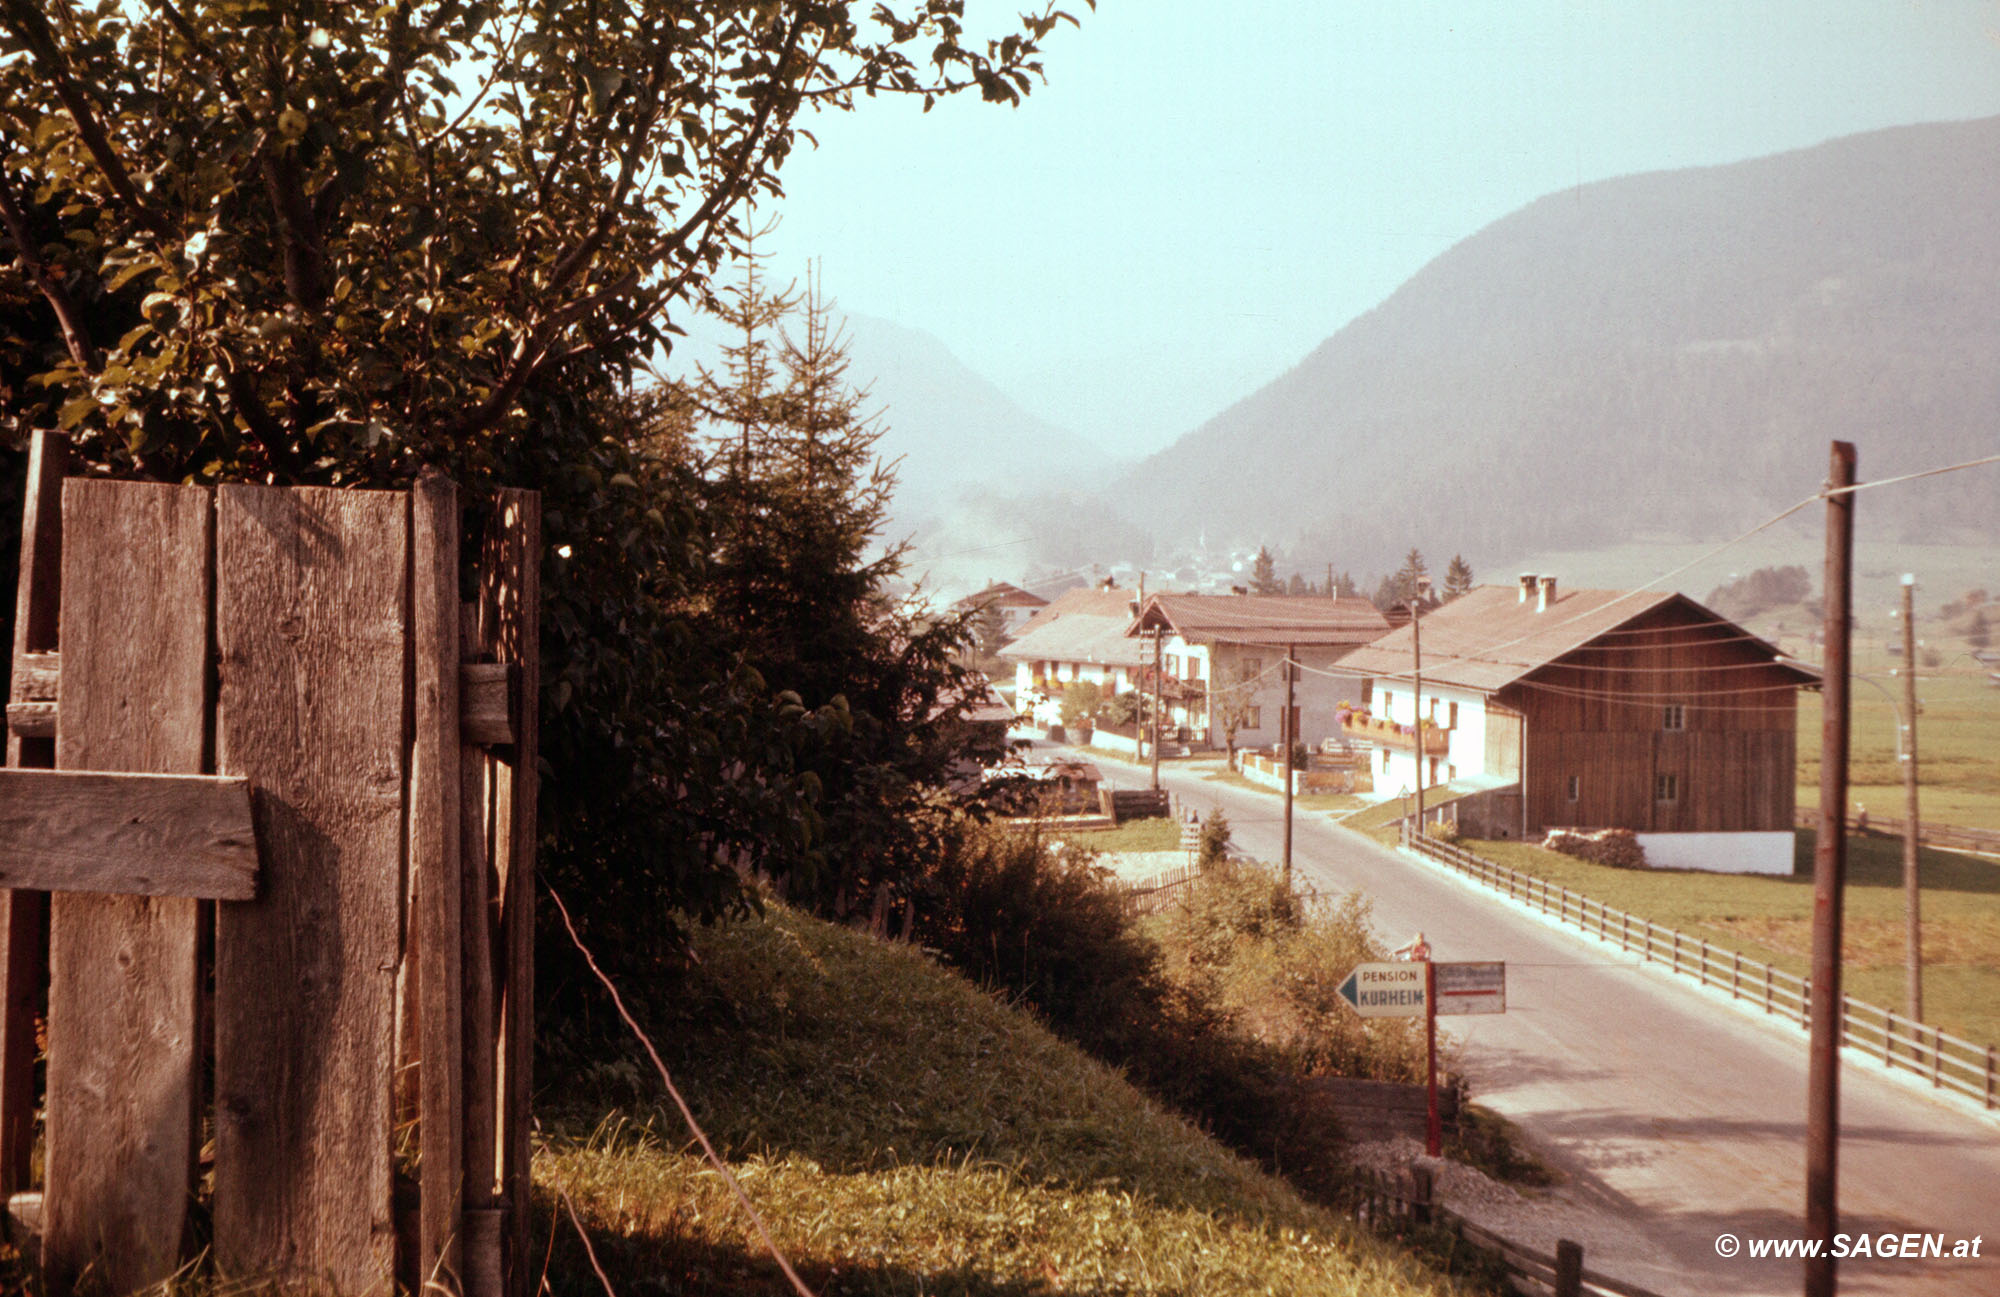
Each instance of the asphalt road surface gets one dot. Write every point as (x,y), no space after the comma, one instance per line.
(1678,1113)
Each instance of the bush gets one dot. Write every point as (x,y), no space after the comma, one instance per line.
(1214,848)
(1445,831)
(1617,847)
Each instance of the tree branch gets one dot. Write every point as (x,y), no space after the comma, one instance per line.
(27,23)
(75,335)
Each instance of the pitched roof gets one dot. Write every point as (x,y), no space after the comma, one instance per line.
(1002,594)
(1082,625)
(1489,638)
(1261,619)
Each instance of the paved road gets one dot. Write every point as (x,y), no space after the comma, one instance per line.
(1677,1113)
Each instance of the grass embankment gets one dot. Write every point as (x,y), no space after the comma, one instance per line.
(1770,918)
(1958,751)
(1155,833)
(906,1133)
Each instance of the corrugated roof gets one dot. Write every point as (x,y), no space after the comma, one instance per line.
(1081,625)
(1488,638)
(1262,619)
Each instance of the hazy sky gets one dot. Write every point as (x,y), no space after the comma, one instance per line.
(1202,193)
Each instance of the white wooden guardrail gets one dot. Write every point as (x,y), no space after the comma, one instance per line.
(1958,1066)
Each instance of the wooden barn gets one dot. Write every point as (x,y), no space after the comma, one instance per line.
(1601,709)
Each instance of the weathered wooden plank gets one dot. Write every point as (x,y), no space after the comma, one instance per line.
(434,866)
(488,702)
(488,693)
(24,916)
(35,676)
(122,1068)
(310,629)
(127,834)
(30,721)
(510,571)
(482,1250)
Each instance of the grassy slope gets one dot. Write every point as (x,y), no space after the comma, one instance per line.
(1771,919)
(904,1133)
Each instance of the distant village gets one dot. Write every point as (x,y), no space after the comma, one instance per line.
(1530,706)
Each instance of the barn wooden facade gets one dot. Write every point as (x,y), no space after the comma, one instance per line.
(1604,708)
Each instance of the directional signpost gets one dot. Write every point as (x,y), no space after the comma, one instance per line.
(1411,989)
(1385,990)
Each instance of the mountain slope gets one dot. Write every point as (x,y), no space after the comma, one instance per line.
(1667,353)
(949,427)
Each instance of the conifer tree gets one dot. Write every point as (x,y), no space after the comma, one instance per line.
(1457,578)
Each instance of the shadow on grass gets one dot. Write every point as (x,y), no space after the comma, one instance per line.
(672,1262)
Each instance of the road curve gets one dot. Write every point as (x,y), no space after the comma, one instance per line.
(1681,1115)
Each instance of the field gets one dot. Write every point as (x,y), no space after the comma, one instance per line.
(1771,919)
(1958,750)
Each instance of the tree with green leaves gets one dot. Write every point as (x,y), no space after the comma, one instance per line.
(1457,578)
(1264,575)
(305,241)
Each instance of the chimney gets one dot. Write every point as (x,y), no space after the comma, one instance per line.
(1527,586)
(1548,593)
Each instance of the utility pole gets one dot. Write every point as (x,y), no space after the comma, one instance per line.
(1912,900)
(1159,639)
(1829,880)
(1287,729)
(1417,699)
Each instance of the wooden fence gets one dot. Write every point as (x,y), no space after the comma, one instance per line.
(1949,837)
(269,821)
(1958,1067)
(1393,1202)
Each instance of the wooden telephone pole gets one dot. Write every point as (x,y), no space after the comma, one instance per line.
(1912,896)
(1287,730)
(1829,882)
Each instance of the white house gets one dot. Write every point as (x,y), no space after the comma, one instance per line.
(1080,635)
(1223,654)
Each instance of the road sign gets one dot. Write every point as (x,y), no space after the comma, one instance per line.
(1471,988)
(1385,990)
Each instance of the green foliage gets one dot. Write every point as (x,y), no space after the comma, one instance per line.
(1457,578)
(1272,966)
(1082,700)
(1264,574)
(1214,849)
(332,242)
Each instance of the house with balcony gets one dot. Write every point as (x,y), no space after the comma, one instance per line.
(1222,657)
(1633,709)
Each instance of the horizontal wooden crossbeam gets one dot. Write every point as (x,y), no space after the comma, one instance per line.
(127,834)
(488,706)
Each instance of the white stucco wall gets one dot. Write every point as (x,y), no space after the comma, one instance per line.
(1722,853)
(1466,753)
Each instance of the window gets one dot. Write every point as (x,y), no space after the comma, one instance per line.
(1434,709)
(1385,758)
(1575,787)
(1253,718)
(1666,788)
(1674,717)
(1367,690)
(1450,772)
(1451,722)
(1173,664)
(1388,705)
(1252,667)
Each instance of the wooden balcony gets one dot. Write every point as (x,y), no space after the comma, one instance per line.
(1388,734)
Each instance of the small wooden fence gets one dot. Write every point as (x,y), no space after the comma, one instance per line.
(269,825)
(1950,837)
(1956,1066)
(1393,1202)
